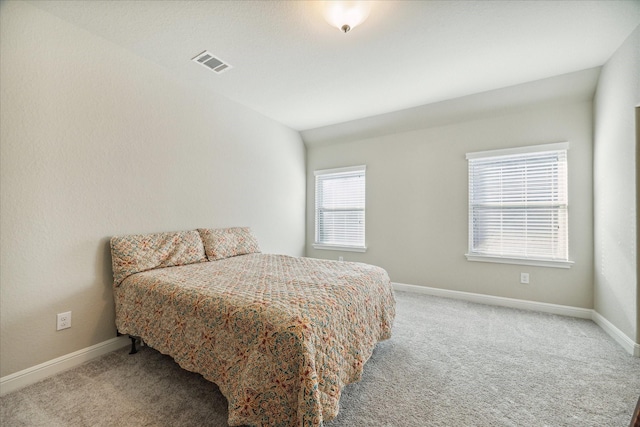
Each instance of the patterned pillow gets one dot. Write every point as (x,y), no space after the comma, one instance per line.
(141,252)
(222,243)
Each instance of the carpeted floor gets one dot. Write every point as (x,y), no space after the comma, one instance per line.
(449,363)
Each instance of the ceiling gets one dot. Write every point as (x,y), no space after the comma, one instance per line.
(291,66)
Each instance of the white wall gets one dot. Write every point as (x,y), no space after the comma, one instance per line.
(416,218)
(615,169)
(97,142)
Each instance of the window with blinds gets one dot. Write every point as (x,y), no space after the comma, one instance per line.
(340,209)
(518,205)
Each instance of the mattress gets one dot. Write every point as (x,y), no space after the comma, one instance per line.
(281,336)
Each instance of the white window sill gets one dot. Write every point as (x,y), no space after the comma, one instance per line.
(339,248)
(520,261)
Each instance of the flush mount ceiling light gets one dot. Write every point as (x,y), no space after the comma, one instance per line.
(346,15)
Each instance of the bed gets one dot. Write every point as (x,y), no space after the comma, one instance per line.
(280,336)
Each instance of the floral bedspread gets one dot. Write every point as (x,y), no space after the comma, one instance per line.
(280,336)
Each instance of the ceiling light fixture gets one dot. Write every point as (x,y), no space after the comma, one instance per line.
(346,15)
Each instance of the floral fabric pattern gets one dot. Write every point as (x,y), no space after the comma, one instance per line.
(280,336)
(220,243)
(141,252)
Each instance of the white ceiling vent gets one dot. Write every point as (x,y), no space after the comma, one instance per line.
(207,60)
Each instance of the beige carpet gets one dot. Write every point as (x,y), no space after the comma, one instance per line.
(449,363)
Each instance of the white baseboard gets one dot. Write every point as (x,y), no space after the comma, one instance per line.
(615,333)
(627,343)
(44,370)
(563,310)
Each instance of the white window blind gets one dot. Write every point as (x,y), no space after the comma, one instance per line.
(340,208)
(518,204)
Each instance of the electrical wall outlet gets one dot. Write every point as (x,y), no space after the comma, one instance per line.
(64,320)
(524,278)
(340,258)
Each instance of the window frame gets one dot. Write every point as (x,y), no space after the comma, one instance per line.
(336,172)
(512,258)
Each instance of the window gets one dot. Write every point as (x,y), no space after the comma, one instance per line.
(340,207)
(518,206)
